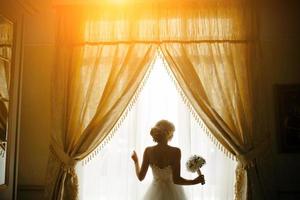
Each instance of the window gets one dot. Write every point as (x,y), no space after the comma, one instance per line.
(110,175)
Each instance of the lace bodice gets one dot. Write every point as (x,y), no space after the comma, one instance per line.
(162,174)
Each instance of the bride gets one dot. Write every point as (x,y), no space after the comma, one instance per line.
(165,163)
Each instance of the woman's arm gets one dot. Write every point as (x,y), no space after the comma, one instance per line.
(177,179)
(141,172)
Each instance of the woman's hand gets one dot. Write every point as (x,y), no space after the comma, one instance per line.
(134,157)
(200,179)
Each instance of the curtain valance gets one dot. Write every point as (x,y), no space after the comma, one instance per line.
(201,21)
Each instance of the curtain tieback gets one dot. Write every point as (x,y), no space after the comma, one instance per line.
(3,99)
(67,161)
(247,158)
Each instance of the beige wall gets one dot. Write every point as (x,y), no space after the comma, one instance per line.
(35,124)
(279,32)
(35,116)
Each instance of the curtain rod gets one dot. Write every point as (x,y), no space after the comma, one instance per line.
(169,3)
(162,42)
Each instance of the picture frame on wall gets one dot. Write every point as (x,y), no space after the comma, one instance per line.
(288,117)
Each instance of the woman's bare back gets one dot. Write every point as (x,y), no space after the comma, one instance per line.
(163,155)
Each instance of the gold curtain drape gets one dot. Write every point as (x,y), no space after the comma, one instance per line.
(92,86)
(215,79)
(103,53)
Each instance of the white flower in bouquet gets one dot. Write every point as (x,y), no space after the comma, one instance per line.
(194,163)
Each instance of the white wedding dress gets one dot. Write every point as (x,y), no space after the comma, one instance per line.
(162,186)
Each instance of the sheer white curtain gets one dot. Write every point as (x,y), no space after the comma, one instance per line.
(110,175)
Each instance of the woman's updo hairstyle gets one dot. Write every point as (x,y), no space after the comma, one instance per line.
(162,131)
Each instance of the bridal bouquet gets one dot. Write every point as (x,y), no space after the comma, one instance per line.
(195,163)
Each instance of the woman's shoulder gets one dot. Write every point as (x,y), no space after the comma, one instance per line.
(149,148)
(175,149)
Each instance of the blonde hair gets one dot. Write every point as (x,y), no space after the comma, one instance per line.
(162,131)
